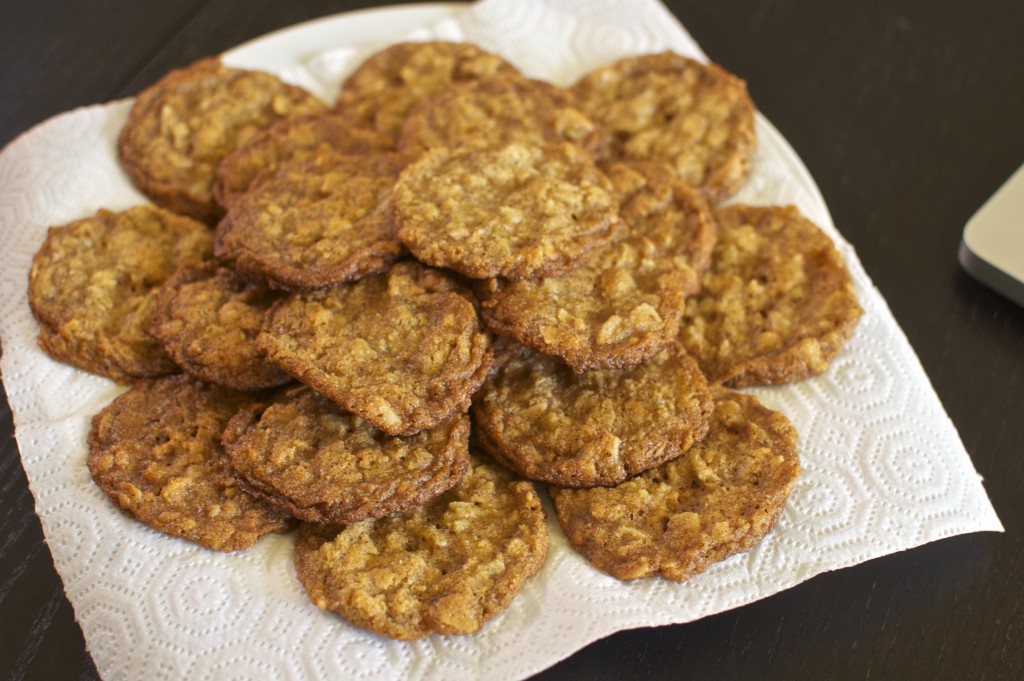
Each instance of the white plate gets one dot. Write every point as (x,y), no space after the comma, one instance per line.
(294,46)
(884,469)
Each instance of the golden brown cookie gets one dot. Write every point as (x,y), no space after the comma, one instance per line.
(182,126)
(156,452)
(498,110)
(207,318)
(695,118)
(718,499)
(302,453)
(404,350)
(381,92)
(595,428)
(287,140)
(443,568)
(777,303)
(625,303)
(93,285)
(516,211)
(315,223)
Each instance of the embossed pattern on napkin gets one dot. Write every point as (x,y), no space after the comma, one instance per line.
(884,469)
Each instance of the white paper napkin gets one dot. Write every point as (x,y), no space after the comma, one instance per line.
(883,467)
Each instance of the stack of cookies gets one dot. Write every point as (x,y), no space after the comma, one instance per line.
(386,321)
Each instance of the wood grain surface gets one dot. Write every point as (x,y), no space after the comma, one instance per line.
(909,115)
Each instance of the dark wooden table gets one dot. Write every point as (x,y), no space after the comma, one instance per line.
(908,113)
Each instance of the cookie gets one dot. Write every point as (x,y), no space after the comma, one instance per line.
(93,284)
(207,318)
(302,453)
(156,452)
(404,350)
(315,223)
(777,304)
(696,119)
(516,211)
(287,140)
(446,567)
(598,428)
(499,110)
(182,126)
(382,91)
(718,499)
(625,303)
